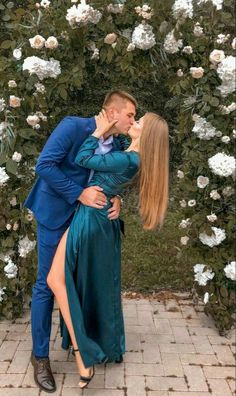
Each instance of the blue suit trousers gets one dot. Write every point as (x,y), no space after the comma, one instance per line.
(42,296)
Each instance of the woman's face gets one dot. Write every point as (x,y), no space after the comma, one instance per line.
(136,130)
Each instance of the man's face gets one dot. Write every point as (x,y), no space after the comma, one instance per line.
(125,117)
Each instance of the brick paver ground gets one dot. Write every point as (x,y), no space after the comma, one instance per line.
(173,349)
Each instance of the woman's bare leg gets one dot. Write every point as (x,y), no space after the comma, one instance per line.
(56,282)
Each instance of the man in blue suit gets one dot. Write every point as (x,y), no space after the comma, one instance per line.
(60,187)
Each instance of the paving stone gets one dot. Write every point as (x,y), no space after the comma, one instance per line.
(172,365)
(177,348)
(25,345)
(198,359)
(202,345)
(64,367)
(133,357)
(100,392)
(166,383)
(130,321)
(219,387)
(219,372)
(135,386)
(7,350)
(219,340)
(72,392)
(28,381)
(157,393)
(172,306)
(163,326)
(202,331)
(195,378)
(145,318)
(14,336)
(232,385)
(189,312)
(4,366)
(224,354)
(190,394)
(14,380)
(114,377)
(151,353)
(144,369)
(19,392)
(169,315)
(141,329)
(181,335)
(133,342)
(157,339)
(20,362)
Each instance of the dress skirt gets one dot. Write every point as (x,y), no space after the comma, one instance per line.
(93,285)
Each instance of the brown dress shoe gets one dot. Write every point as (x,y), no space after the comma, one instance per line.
(43,374)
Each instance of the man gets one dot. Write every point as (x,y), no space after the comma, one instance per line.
(60,187)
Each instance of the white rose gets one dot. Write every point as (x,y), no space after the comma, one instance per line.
(17,156)
(230,270)
(131,47)
(110,38)
(187,50)
(202,181)
(180,73)
(225,139)
(196,72)
(180,174)
(15,226)
(32,120)
(8,227)
(184,240)
(192,202)
(17,53)
(233,45)
(215,195)
(45,3)
(13,201)
(51,42)
(206,298)
(14,101)
(183,203)
(216,56)
(212,217)
(12,84)
(37,41)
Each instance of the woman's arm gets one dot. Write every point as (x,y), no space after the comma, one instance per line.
(110,162)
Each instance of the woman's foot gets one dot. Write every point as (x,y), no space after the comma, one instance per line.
(86,374)
(85,379)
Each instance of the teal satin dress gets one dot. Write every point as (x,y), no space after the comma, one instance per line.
(93,261)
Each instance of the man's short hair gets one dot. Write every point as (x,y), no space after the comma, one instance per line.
(113,96)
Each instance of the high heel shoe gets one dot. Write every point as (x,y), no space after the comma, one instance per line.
(86,380)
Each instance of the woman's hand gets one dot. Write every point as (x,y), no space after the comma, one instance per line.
(103,125)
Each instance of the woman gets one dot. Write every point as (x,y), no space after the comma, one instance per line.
(85,273)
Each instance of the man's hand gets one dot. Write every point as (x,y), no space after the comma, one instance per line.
(94,197)
(114,211)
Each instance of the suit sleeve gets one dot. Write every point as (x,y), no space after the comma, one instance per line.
(111,162)
(55,150)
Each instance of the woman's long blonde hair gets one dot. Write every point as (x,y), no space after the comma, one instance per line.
(154,171)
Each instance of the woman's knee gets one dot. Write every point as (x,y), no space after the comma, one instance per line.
(54,282)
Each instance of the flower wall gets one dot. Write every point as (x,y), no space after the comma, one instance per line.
(179,57)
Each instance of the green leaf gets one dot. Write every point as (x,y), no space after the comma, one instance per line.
(11,166)
(6,44)
(62,92)
(3,158)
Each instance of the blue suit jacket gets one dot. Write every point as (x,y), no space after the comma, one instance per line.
(54,195)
